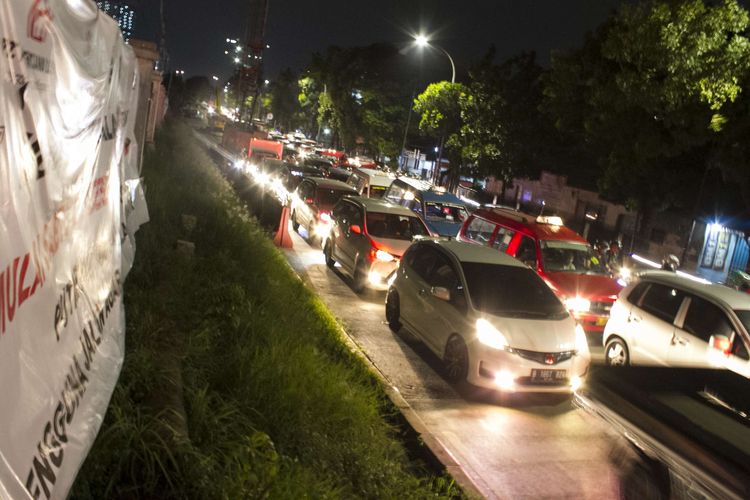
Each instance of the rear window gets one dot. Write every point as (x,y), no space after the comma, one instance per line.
(394,226)
(377,191)
(446,212)
(480,231)
(329,197)
(511,291)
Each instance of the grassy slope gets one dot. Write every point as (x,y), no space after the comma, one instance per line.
(272,404)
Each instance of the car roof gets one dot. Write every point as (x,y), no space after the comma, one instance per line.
(519,220)
(430,193)
(323,182)
(731,298)
(381,205)
(469,252)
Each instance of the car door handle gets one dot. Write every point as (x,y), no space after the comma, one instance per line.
(679,340)
(634,319)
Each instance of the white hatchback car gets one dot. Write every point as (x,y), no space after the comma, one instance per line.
(671,320)
(491,319)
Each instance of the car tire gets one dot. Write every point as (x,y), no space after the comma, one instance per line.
(359,278)
(295,224)
(328,253)
(456,360)
(616,352)
(393,310)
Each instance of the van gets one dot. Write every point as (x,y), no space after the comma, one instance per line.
(370,183)
(443,212)
(562,257)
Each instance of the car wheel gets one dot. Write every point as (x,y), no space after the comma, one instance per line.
(393,310)
(616,352)
(358,280)
(295,224)
(456,359)
(328,253)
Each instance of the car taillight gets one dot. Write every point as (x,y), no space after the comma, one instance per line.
(378,254)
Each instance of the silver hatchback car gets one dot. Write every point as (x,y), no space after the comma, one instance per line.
(491,319)
(368,237)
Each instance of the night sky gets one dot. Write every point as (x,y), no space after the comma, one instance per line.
(196,30)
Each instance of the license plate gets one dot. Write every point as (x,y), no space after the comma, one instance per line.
(548,376)
(601,321)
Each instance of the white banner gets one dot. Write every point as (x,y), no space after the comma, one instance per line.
(68,183)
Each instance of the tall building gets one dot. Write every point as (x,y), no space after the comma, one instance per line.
(121,12)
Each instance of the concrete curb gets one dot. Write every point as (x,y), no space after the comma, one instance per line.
(468,484)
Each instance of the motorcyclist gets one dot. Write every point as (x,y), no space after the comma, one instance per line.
(613,257)
(670,262)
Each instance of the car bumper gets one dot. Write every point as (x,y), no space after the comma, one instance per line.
(511,372)
(593,325)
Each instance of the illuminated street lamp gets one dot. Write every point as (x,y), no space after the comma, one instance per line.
(423,41)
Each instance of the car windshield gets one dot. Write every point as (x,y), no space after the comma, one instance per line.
(395,226)
(571,257)
(329,197)
(744,318)
(446,212)
(511,291)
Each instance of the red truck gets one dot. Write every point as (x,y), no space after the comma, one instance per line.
(259,149)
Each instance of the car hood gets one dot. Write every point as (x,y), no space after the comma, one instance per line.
(535,334)
(443,228)
(393,247)
(589,286)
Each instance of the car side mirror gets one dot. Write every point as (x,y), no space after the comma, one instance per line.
(721,343)
(354,228)
(440,292)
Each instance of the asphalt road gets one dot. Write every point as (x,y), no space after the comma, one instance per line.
(530,447)
(533,446)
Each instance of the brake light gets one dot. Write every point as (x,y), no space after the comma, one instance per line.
(378,254)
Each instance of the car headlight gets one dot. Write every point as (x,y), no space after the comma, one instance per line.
(489,335)
(578,304)
(582,344)
(625,273)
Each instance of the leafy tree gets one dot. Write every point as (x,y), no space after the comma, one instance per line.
(440,108)
(646,95)
(359,93)
(284,103)
(505,134)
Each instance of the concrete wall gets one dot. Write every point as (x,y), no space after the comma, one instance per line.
(152,98)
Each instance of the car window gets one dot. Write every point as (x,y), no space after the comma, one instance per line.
(637,292)
(503,238)
(480,230)
(443,274)
(329,197)
(662,301)
(305,190)
(526,251)
(346,213)
(511,291)
(423,260)
(445,211)
(395,226)
(704,319)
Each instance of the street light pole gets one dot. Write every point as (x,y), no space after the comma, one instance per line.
(423,41)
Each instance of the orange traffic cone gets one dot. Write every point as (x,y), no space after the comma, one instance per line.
(283,239)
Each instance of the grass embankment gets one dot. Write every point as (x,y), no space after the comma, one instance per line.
(236,382)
